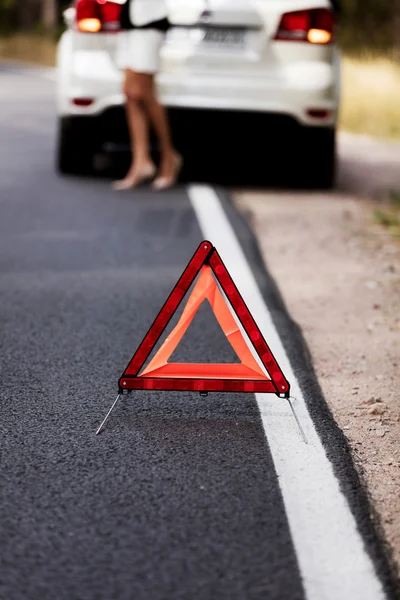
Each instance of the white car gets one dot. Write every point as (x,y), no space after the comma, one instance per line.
(261,75)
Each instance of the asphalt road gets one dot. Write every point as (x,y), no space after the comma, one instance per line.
(179,498)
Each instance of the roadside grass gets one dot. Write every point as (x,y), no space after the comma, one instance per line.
(29,48)
(389,217)
(370,103)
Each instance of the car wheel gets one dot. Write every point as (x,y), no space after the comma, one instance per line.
(317,166)
(76,146)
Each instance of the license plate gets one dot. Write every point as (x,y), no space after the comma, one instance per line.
(224,37)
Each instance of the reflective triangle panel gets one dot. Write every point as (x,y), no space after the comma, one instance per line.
(246,376)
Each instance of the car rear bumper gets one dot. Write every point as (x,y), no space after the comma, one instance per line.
(293,93)
(298,89)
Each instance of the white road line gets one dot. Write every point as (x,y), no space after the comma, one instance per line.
(332,559)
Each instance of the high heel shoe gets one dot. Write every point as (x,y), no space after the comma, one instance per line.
(165,182)
(141,176)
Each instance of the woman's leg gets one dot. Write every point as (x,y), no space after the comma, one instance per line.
(142,167)
(170,159)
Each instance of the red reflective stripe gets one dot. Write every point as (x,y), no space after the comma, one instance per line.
(248,322)
(169,308)
(197,385)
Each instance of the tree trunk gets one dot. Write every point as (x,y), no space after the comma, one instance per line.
(396,25)
(27,13)
(49,14)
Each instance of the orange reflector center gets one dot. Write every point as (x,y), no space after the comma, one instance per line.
(206,289)
(89,25)
(319,36)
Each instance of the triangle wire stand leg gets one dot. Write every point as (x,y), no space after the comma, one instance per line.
(289,399)
(108,414)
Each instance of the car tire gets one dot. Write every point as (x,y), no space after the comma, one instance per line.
(76,146)
(317,166)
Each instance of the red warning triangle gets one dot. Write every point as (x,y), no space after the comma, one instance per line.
(252,375)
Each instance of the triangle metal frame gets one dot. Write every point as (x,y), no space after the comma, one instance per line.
(205,255)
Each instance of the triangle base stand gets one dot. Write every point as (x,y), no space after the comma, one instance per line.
(108,414)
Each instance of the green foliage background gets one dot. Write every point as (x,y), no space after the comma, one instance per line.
(363,24)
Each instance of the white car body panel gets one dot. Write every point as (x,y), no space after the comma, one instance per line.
(267,76)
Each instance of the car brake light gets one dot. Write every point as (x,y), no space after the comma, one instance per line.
(93,16)
(319,36)
(89,25)
(315,25)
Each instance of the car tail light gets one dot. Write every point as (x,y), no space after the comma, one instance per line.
(82,101)
(315,25)
(93,16)
(319,113)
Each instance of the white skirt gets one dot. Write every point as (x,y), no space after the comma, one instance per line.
(139,50)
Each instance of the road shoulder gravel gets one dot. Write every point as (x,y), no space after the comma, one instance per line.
(338,273)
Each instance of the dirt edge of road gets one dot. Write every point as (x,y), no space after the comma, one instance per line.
(339,275)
